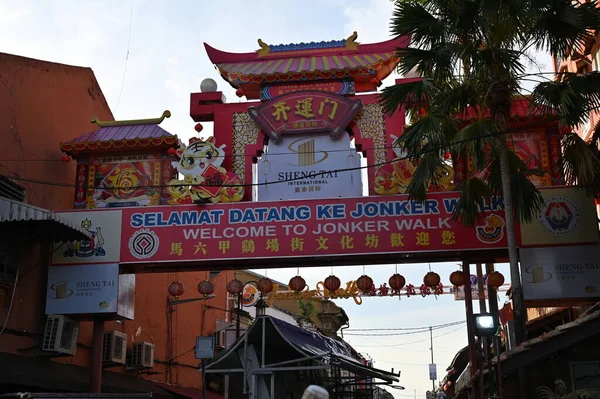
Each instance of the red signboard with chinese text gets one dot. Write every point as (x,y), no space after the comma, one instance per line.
(305,111)
(311,228)
(343,87)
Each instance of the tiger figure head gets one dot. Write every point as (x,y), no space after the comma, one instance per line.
(195,158)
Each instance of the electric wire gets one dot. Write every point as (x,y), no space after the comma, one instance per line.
(184,184)
(395,346)
(401,333)
(126,58)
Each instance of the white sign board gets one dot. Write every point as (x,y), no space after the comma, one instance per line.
(432,372)
(569,272)
(103,247)
(82,289)
(205,347)
(459,292)
(309,166)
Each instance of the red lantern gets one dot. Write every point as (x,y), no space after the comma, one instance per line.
(65,159)
(198,127)
(495,279)
(264,285)
(431,279)
(332,283)
(235,287)
(375,82)
(364,283)
(397,281)
(206,287)
(297,283)
(172,152)
(457,278)
(239,92)
(176,289)
(447,155)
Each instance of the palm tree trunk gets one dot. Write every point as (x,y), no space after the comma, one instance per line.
(515,273)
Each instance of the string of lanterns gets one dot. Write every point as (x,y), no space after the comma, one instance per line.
(397,282)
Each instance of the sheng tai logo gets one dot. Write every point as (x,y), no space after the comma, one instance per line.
(307,153)
(559,216)
(60,290)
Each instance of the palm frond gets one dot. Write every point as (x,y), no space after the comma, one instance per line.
(581,163)
(562,25)
(588,86)
(427,171)
(527,199)
(472,192)
(474,138)
(409,95)
(559,98)
(412,18)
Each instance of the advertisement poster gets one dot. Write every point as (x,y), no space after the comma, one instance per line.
(123,181)
(567,217)
(104,245)
(568,272)
(82,289)
(459,292)
(308,166)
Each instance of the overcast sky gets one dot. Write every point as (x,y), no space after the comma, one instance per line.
(167,62)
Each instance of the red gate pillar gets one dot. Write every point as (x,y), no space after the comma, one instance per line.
(96,361)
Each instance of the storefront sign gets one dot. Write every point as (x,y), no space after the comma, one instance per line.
(567,217)
(292,229)
(459,292)
(89,289)
(343,87)
(305,112)
(308,166)
(314,228)
(567,272)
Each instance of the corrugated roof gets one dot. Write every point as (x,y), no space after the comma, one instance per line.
(60,229)
(121,136)
(324,66)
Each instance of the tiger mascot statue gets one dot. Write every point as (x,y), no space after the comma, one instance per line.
(200,164)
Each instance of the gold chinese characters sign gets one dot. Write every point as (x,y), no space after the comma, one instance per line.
(305,112)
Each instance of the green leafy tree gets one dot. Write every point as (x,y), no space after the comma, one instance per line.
(472,55)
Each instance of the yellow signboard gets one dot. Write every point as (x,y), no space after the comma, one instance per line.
(567,216)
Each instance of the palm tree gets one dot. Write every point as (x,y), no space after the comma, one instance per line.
(472,55)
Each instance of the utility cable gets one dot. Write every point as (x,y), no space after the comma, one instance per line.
(183,184)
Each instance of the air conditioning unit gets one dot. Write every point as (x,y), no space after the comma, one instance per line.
(60,335)
(221,339)
(114,349)
(142,355)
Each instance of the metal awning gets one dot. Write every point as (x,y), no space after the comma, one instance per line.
(16,215)
(284,345)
